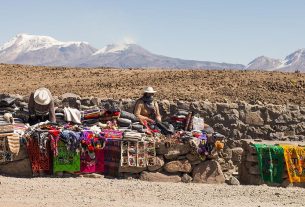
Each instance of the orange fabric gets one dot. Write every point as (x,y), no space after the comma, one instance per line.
(295,162)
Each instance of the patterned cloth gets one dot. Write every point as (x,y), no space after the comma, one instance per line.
(92,165)
(66,160)
(271,162)
(5,154)
(295,162)
(112,157)
(41,161)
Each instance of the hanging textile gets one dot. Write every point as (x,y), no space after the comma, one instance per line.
(295,162)
(66,160)
(39,152)
(271,162)
(5,154)
(112,157)
(91,164)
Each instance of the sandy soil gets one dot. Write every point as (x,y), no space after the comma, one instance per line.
(37,192)
(269,87)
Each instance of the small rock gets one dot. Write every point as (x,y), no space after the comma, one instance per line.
(233,181)
(186,178)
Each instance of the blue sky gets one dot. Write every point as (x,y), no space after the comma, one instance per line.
(234,31)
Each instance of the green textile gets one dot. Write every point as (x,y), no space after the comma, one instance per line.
(271,162)
(66,160)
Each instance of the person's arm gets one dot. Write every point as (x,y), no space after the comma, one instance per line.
(137,113)
(52,116)
(158,116)
(31,105)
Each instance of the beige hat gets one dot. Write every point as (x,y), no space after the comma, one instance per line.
(149,90)
(42,96)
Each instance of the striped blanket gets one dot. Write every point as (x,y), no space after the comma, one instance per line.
(271,162)
(295,162)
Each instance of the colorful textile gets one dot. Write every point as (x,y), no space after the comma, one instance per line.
(92,165)
(112,157)
(271,162)
(5,154)
(40,161)
(66,160)
(295,162)
(111,134)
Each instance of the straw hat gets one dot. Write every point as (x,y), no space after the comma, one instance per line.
(42,96)
(149,90)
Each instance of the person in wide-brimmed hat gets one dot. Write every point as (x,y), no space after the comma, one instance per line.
(146,108)
(41,106)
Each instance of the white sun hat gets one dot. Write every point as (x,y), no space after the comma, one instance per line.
(149,90)
(42,96)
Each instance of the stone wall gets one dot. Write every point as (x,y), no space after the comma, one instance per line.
(240,120)
(249,173)
(234,120)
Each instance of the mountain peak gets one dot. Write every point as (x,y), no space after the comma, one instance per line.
(119,48)
(26,42)
(263,63)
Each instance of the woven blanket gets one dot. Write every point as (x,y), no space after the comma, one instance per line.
(271,162)
(66,160)
(112,157)
(295,162)
(92,165)
(40,161)
(5,154)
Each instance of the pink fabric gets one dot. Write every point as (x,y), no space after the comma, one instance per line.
(92,166)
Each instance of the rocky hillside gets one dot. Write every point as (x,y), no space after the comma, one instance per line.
(250,86)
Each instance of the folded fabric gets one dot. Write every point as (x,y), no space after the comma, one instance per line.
(72,115)
(6,128)
(14,143)
(128,115)
(295,162)
(271,162)
(8,101)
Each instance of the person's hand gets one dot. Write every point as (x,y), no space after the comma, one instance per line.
(151,121)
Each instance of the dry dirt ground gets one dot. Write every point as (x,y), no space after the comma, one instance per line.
(250,86)
(38,192)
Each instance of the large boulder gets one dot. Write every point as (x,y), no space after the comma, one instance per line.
(159,177)
(158,165)
(178,166)
(254,118)
(208,172)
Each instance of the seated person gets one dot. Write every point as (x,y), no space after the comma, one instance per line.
(41,106)
(146,108)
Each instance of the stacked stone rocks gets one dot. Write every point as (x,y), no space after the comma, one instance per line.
(237,121)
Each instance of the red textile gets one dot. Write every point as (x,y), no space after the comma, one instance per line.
(40,162)
(89,165)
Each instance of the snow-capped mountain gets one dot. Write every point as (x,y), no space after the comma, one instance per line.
(44,50)
(264,63)
(133,55)
(293,62)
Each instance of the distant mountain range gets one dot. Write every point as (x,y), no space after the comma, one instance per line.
(44,50)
